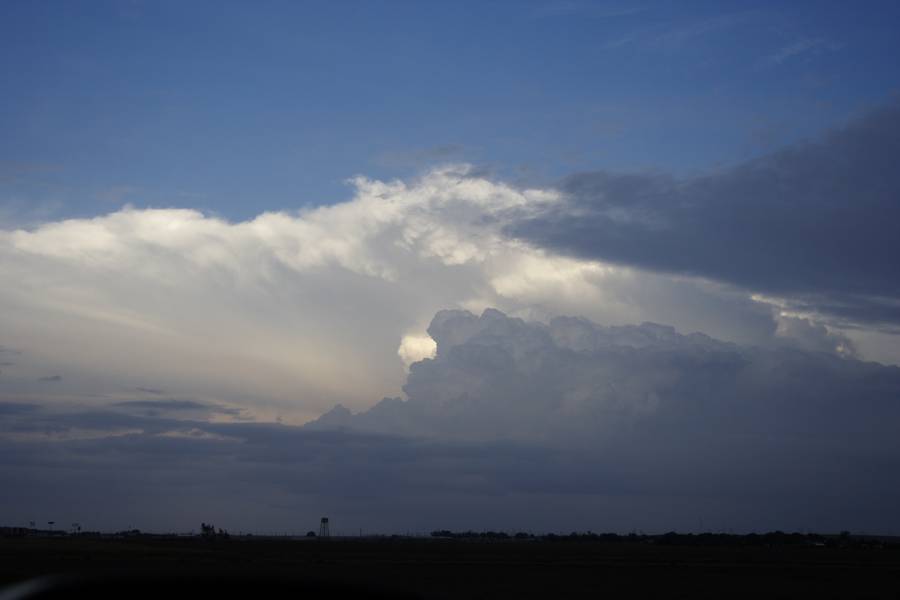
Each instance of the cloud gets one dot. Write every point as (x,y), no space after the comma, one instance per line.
(35,423)
(414,348)
(149,390)
(12,408)
(681,34)
(643,410)
(572,381)
(811,224)
(290,313)
(512,425)
(802,47)
(674,35)
(808,335)
(270,308)
(565,8)
(177,405)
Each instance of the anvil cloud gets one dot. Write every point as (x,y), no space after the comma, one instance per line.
(290,313)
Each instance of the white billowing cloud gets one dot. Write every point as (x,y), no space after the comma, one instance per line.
(641,412)
(414,348)
(495,377)
(661,414)
(290,313)
(804,333)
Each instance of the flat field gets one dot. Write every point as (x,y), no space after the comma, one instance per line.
(434,568)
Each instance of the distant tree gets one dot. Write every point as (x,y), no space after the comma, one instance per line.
(310,534)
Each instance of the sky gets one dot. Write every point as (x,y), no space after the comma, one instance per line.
(435,265)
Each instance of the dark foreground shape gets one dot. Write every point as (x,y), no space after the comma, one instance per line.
(144,585)
(171,568)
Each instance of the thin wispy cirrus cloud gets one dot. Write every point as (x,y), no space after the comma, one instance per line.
(803,46)
(673,34)
(564,8)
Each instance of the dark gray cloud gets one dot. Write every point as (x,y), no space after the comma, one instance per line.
(40,421)
(643,411)
(572,381)
(168,404)
(14,408)
(7,351)
(149,390)
(816,222)
(178,405)
(513,425)
(51,378)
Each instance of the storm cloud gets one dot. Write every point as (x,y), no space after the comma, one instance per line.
(526,418)
(290,313)
(169,405)
(645,412)
(513,424)
(572,381)
(815,223)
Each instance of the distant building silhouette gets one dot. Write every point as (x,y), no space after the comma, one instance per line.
(324,532)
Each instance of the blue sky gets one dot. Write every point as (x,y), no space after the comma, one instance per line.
(238,108)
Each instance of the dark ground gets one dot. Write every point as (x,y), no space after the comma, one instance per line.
(483,569)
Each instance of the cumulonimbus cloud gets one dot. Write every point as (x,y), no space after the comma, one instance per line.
(512,424)
(290,313)
(573,381)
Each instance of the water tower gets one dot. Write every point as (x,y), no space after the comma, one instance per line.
(323,528)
